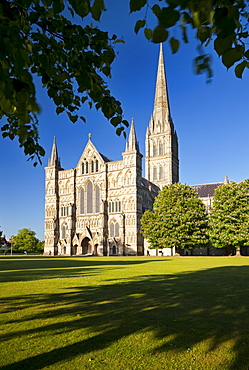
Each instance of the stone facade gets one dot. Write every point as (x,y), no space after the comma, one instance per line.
(96,207)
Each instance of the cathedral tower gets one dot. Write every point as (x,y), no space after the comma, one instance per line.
(161,161)
(52,202)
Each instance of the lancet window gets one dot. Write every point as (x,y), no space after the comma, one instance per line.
(89,197)
(64,211)
(97,199)
(114,229)
(154,173)
(81,201)
(114,206)
(63,231)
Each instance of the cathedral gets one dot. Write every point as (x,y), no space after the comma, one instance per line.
(96,207)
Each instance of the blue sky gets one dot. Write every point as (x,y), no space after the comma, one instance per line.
(211,121)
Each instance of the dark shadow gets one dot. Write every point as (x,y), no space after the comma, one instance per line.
(213,303)
(33,268)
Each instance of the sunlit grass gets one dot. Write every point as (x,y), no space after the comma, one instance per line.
(124,313)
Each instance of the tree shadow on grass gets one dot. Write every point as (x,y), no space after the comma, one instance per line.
(33,268)
(188,308)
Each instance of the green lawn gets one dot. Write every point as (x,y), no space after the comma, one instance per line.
(124,313)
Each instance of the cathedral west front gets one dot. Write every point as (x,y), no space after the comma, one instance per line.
(96,207)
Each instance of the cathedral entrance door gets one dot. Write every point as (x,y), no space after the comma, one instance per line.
(73,250)
(96,249)
(86,246)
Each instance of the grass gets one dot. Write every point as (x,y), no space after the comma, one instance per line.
(124,313)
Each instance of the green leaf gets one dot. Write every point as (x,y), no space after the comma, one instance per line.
(231,56)
(72,118)
(139,24)
(119,41)
(204,33)
(119,130)
(148,33)
(156,10)
(82,8)
(221,45)
(126,123)
(168,17)
(58,6)
(97,9)
(115,121)
(174,43)
(136,5)
(159,35)
(239,69)
(59,110)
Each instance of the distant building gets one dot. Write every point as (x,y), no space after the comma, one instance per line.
(206,192)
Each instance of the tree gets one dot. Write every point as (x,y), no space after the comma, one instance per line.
(40,38)
(178,219)
(71,60)
(25,240)
(40,246)
(229,216)
(221,24)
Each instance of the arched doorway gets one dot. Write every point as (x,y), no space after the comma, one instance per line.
(96,249)
(114,249)
(74,250)
(86,246)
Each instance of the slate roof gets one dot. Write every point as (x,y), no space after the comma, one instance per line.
(149,185)
(106,159)
(206,190)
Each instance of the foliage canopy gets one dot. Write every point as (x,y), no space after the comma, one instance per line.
(222,24)
(71,60)
(178,219)
(229,217)
(39,38)
(26,240)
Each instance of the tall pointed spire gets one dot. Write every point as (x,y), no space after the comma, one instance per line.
(132,143)
(161,161)
(161,103)
(54,160)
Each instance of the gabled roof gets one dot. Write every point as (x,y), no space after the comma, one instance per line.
(106,159)
(149,185)
(206,190)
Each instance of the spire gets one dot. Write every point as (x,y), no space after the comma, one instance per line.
(54,160)
(161,103)
(226,180)
(132,143)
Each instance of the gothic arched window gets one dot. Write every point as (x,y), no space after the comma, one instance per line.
(116,230)
(92,163)
(97,165)
(82,168)
(154,150)
(154,173)
(161,151)
(63,231)
(89,197)
(97,200)
(81,201)
(86,167)
(160,173)
(112,230)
